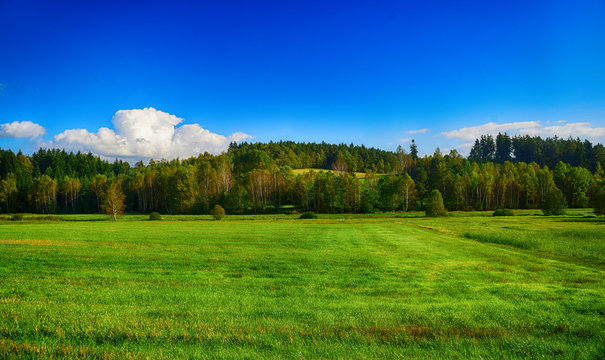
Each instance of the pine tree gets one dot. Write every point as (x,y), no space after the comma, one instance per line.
(413,150)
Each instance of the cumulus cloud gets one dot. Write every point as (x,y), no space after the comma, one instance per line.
(419,131)
(562,129)
(142,134)
(21,129)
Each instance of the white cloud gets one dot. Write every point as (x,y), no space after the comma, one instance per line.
(142,134)
(21,129)
(464,148)
(404,140)
(583,130)
(419,131)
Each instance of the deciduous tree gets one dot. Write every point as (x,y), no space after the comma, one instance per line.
(113,201)
(434,204)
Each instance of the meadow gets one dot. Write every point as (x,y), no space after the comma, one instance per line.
(272,286)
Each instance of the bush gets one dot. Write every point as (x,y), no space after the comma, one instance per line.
(554,203)
(218,212)
(434,204)
(478,206)
(48,218)
(155,216)
(504,212)
(308,215)
(17,217)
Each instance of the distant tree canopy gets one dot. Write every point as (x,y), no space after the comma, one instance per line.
(505,172)
(313,155)
(549,151)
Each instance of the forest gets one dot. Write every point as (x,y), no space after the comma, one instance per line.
(516,172)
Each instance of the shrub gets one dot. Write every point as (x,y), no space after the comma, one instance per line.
(504,212)
(308,215)
(554,203)
(434,204)
(17,217)
(217,212)
(155,216)
(478,206)
(48,218)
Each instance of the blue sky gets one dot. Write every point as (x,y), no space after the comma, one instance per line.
(363,72)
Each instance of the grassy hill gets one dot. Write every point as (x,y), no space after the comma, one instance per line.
(342,286)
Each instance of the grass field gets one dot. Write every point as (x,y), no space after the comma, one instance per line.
(342,286)
(359,175)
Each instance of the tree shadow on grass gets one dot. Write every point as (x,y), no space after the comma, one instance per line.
(584,219)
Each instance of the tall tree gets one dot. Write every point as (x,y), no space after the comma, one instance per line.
(504,148)
(413,150)
(403,160)
(9,192)
(580,180)
(487,147)
(44,195)
(599,199)
(113,201)
(97,187)
(70,189)
(407,189)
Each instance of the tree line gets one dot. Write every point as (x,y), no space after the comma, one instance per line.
(549,151)
(259,178)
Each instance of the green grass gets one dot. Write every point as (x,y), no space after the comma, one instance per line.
(341,286)
(584,244)
(359,175)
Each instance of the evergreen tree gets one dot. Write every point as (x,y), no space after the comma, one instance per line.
(413,150)
(487,148)
(504,148)
(475,154)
